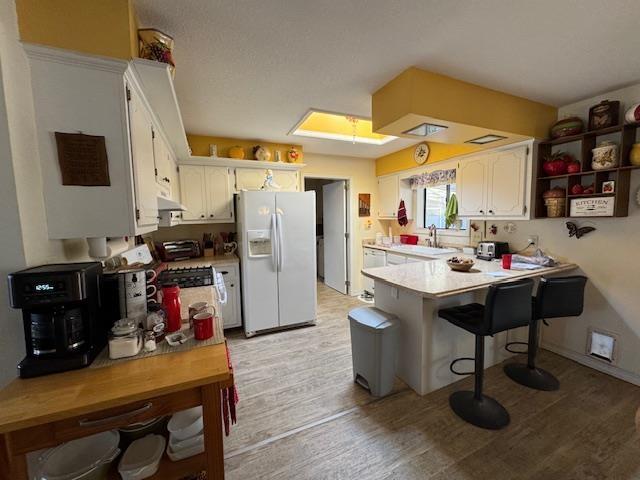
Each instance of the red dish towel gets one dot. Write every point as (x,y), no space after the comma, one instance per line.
(402,214)
(229,402)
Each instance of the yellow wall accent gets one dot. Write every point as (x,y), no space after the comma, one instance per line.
(97,27)
(416,94)
(336,123)
(403,159)
(200,146)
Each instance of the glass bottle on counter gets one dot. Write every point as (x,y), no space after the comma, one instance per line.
(171,303)
(125,339)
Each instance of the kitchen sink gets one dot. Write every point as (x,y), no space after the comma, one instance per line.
(423,250)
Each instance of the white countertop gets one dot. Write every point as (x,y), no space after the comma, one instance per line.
(415,250)
(435,279)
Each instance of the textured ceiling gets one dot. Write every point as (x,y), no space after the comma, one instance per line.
(252,68)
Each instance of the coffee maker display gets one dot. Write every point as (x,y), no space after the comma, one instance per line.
(63,325)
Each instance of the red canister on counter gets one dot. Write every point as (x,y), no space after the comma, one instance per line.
(171,302)
(203,325)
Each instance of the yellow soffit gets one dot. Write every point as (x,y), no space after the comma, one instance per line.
(338,126)
(468,111)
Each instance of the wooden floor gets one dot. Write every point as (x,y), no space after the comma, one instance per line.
(301,417)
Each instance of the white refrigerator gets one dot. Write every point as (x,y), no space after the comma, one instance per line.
(277,240)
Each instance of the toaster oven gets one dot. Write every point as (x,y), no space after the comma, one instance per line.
(179,250)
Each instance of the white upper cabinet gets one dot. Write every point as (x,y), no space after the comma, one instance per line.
(494,184)
(471,186)
(142,152)
(507,177)
(123,103)
(391,190)
(193,192)
(219,194)
(288,180)
(249,179)
(206,193)
(388,196)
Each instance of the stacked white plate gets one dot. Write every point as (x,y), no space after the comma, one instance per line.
(186,436)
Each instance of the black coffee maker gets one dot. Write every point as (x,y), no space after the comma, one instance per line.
(63,326)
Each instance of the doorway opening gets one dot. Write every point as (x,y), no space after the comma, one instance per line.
(332,231)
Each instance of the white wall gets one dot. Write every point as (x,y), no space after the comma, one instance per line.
(361,172)
(608,256)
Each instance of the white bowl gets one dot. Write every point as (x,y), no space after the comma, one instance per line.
(186,424)
(177,445)
(185,453)
(142,458)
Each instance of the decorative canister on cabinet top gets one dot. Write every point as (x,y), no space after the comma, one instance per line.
(156,45)
(605,156)
(634,155)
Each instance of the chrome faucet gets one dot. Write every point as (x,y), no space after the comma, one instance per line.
(433,231)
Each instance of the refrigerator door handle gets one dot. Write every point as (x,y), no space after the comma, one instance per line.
(280,242)
(274,242)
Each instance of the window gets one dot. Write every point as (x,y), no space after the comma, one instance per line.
(434,203)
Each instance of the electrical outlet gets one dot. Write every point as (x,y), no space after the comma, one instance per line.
(533,240)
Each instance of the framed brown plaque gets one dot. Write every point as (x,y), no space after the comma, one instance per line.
(83,159)
(364,204)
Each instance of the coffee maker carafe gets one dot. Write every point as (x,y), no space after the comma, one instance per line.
(63,325)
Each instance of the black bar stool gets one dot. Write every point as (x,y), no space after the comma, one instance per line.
(507,306)
(556,297)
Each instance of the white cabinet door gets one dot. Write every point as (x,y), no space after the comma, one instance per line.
(141,134)
(219,195)
(249,178)
(471,186)
(231,310)
(388,196)
(288,180)
(396,259)
(193,192)
(164,162)
(506,193)
(174,179)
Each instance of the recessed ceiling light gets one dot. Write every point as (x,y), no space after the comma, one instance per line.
(338,126)
(486,139)
(425,129)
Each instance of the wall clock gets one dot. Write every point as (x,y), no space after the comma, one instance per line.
(421,153)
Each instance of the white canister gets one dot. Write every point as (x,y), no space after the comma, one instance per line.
(125,339)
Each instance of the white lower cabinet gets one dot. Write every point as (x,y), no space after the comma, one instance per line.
(206,193)
(231,313)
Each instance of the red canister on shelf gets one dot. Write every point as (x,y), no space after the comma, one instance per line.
(203,325)
(171,302)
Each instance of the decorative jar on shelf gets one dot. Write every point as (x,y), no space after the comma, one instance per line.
(634,156)
(556,201)
(605,156)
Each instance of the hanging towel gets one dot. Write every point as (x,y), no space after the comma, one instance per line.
(451,210)
(402,214)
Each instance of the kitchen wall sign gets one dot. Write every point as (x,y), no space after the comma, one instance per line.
(592,207)
(83,159)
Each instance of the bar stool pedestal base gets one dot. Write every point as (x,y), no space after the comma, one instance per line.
(535,378)
(484,413)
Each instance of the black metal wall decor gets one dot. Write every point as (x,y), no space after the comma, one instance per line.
(578,232)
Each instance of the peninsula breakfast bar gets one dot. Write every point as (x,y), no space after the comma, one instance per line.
(414,292)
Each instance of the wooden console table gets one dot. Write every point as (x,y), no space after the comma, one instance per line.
(46,411)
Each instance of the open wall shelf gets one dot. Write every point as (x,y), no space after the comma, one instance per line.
(581,145)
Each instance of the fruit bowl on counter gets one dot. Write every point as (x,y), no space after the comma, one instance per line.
(460,264)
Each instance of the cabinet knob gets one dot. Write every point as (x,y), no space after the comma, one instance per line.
(231,285)
(491,211)
(211,215)
(481,211)
(201,216)
(166,179)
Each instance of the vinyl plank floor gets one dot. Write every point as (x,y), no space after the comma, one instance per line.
(302,417)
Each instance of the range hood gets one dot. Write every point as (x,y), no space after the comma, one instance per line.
(168,204)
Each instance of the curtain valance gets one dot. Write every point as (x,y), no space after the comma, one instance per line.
(433,179)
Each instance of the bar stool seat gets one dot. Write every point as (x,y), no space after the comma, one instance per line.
(507,305)
(469,317)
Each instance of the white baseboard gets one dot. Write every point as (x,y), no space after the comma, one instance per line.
(590,362)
